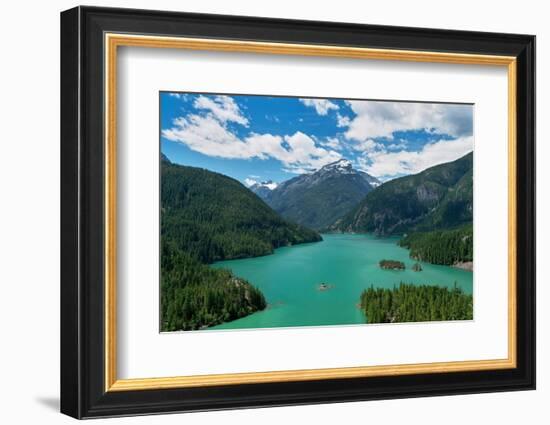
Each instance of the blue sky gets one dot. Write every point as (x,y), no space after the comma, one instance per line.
(258,138)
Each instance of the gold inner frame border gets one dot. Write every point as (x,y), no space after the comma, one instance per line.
(113,40)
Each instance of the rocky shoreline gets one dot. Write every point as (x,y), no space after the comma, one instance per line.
(466,265)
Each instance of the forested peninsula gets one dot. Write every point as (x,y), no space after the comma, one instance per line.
(415,303)
(446,247)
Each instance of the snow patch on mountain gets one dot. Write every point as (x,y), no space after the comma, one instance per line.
(343,166)
(269,184)
(250,182)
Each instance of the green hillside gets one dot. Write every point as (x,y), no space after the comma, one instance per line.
(445,247)
(437,198)
(206,217)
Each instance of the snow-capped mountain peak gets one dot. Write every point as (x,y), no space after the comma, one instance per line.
(263,189)
(271,185)
(268,184)
(342,165)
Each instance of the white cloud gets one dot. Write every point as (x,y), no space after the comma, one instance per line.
(206,135)
(303,155)
(368,145)
(380,119)
(249,182)
(332,143)
(396,146)
(297,170)
(223,108)
(387,165)
(178,95)
(209,135)
(322,106)
(342,121)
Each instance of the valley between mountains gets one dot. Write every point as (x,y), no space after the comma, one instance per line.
(309,250)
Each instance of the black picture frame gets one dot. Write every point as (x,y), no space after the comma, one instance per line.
(83,392)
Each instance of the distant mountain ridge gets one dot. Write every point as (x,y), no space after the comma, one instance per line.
(317,199)
(263,189)
(440,197)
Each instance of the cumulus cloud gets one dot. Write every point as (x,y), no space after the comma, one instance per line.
(332,143)
(396,146)
(223,108)
(217,127)
(386,165)
(367,146)
(182,96)
(209,134)
(342,121)
(304,155)
(205,134)
(381,119)
(322,106)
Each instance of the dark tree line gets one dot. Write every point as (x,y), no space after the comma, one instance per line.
(410,303)
(441,247)
(195,295)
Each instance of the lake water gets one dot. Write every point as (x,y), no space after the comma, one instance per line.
(290,277)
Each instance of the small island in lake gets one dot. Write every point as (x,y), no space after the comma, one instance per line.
(416,267)
(392,265)
(324,286)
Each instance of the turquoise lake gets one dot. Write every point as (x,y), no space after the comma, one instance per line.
(290,277)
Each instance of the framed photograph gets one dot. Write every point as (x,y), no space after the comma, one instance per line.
(261,212)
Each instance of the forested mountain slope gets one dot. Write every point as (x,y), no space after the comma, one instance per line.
(441,197)
(207,217)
